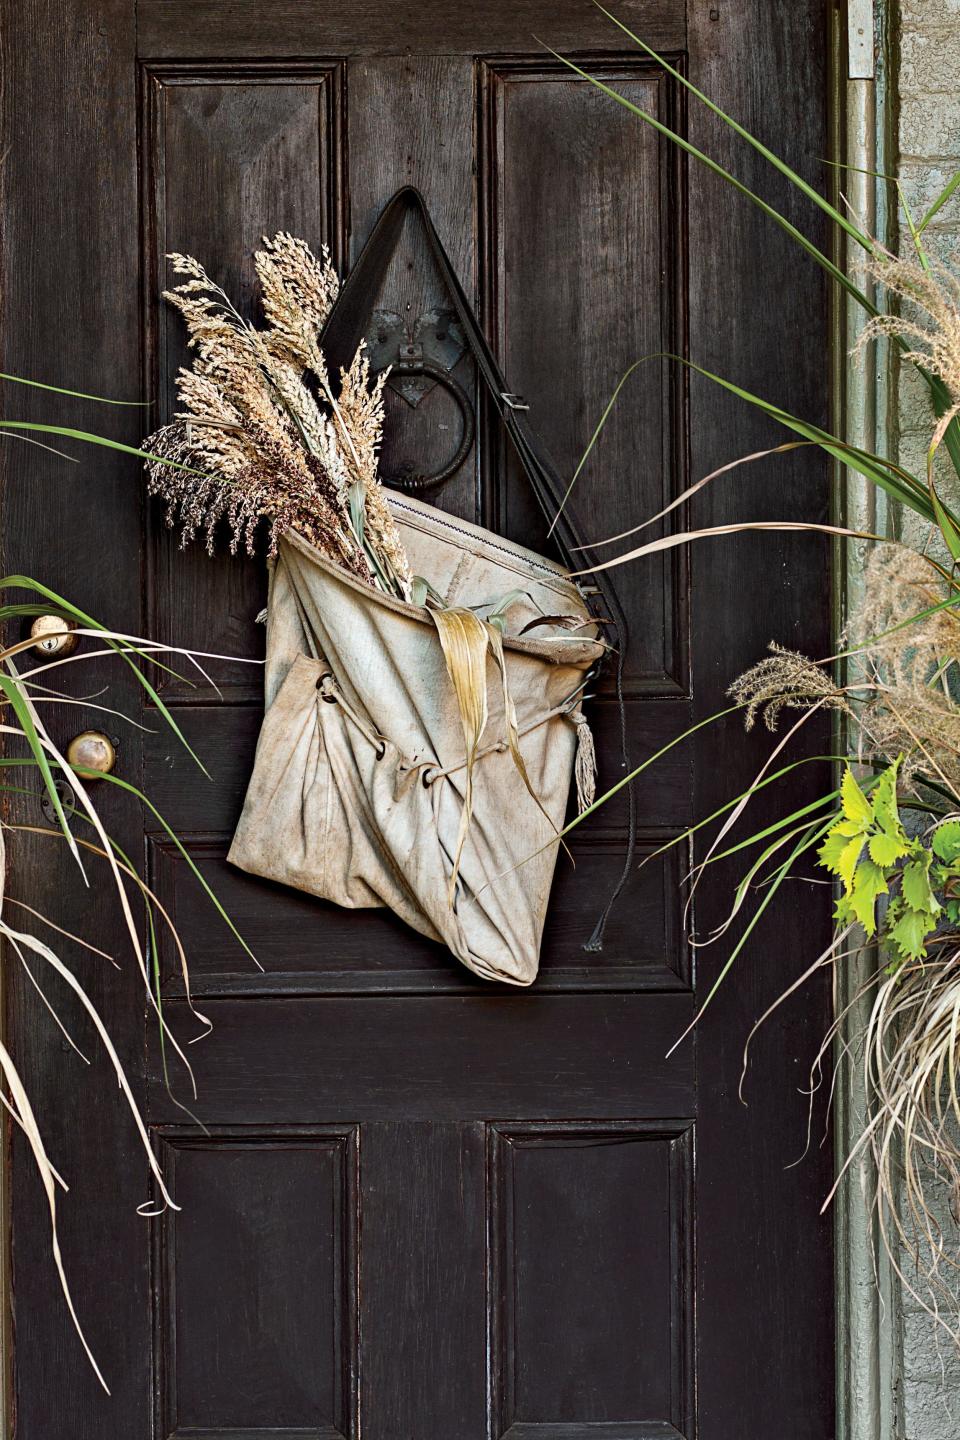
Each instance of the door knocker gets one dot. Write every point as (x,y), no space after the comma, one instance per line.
(418,363)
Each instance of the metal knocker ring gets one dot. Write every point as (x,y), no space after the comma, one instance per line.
(413,483)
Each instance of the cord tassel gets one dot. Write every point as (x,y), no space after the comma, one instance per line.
(585,769)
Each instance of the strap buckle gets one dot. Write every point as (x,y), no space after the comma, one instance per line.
(514,402)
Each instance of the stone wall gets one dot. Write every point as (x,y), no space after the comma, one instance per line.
(928,138)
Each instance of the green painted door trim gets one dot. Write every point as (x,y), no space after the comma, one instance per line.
(864,57)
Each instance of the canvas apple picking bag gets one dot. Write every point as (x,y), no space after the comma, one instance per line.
(361,785)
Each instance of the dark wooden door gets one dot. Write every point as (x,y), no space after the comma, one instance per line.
(425,1207)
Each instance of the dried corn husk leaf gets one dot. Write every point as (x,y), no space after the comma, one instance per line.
(463,640)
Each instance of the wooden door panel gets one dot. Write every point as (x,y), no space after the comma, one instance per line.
(575,1353)
(442,1057)
(424,1201)
(307,946)
(567,330)
(182,28)
(231,152)
(256,1287)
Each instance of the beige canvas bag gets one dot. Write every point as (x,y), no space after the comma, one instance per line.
(358,785)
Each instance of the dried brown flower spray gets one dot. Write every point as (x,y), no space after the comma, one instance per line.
(260,434)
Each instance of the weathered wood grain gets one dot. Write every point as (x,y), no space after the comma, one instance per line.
(307,27)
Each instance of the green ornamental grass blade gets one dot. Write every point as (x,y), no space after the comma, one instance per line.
(942,401)
(15,763)
(76,394)
(824,261)
(21,709)
(822,203)
(615,789)
(837,217)
(811,837)
(951,602)
(596,434)
(749,793)
(90,439)
(23,582)
(184,853)
(945,194)
(897,482)
(786,820)
(948,526)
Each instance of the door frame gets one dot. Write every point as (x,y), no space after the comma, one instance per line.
(863,89)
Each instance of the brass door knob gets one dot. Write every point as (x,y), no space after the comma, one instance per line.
(52,635)
(92,750)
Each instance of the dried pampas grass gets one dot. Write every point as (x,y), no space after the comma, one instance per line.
(260,434)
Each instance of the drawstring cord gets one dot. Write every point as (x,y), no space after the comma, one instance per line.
(586,763)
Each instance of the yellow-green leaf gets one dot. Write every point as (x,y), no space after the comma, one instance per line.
(946,842)
(855,804)
(910,932)
(915,885)
(847,863)
(832,850)
(886,849)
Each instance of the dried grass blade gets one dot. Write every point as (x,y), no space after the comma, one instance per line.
(68,934)
(45,953)
(28,1123)
(46,1001)
(669,542)
(692,490)
(824,261)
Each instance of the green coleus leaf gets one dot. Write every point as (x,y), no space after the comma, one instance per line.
(910,932)
(886,849)
(946,842)
(832,850)
(869,882)
(842,911)
(839,855)
(883,802)
(855,804)
(915,886)
(848,827)
(848,862)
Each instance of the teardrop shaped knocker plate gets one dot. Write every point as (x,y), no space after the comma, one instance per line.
(420,359)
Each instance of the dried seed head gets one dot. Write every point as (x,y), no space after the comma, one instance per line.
(251,438)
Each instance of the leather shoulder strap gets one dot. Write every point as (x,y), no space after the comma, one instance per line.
(346,326)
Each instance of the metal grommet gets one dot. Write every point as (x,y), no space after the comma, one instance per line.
(321,686)
(410,483)
(382,750)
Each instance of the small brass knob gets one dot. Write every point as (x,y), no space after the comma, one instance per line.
(92,750)
(53,635)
